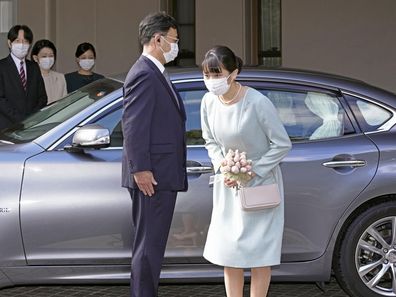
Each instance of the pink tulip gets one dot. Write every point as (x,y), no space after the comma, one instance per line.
(235,169)
(227,168)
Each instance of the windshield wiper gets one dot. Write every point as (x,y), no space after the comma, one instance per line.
(6,142)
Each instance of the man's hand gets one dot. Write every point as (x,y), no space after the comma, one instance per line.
(145,181)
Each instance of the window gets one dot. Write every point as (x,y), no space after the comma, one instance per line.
(112,121)
(370,116)
(310,115)
(192,103)
(7,20)
(184,12)
(269,49)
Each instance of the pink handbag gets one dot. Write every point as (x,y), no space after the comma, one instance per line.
(260,197)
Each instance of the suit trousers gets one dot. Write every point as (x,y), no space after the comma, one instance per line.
(151,217)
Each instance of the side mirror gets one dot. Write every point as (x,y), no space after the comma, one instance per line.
(91,136)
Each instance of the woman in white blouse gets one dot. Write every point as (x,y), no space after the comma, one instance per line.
(44,53)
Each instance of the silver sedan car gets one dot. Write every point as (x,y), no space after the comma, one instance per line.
(64,217)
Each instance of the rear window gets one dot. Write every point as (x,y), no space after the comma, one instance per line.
(369,115)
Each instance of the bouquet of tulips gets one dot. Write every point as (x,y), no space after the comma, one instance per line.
(236,167)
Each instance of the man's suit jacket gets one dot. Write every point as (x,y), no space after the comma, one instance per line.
(153,128)
(16,103)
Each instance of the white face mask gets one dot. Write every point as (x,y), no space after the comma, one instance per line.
(46,63)
(217,86)
(87,64)
(172,54)
(20,50)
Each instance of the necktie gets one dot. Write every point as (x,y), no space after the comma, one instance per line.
(23,76)
(171,87)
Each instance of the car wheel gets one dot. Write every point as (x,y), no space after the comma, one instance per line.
(365,262)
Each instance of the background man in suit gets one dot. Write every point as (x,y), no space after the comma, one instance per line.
(22,89)
(154,155)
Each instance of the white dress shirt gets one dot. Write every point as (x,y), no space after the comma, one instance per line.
(17,62)
(155,61)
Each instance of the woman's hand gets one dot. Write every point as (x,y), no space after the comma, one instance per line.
(230,182)
(252,174)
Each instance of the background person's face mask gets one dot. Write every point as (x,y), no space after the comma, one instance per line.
(20,50)
(87,64)
(172,54)
(217,86)
(46,63)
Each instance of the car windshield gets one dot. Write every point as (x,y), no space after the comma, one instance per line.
(52,115)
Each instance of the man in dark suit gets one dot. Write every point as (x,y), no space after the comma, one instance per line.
(22,89)
(154,156)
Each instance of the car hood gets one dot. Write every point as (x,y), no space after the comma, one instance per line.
(15,153)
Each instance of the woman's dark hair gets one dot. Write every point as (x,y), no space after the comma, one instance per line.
(14,31)
(40,44)
(159,22)
(221,56)
(83,47)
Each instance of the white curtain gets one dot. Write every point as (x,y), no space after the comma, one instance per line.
(327,109)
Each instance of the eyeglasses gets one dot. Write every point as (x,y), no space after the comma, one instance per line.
(176,40)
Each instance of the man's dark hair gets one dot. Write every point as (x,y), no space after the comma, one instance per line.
(159,22)
(40,44)
(83,47)
(14,31)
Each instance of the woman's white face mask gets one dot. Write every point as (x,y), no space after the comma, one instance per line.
(217,86)
(46,63)
(87,64)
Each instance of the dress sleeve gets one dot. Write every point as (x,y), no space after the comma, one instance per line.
(278,138)
(214,150)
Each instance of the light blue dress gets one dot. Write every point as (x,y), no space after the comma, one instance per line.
(238,238)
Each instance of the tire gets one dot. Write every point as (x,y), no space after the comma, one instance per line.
(369,244)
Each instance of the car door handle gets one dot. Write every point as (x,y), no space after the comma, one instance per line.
(346,163)
(200,169)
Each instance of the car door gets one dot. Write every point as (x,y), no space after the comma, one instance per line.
(73,209)
(81,215)
(193,208)
(330,163)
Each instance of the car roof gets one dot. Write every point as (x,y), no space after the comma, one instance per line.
(296,76)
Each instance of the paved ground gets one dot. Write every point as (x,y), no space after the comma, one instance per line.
(276,290)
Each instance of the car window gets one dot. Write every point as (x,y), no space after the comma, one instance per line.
(369,115)
(112,121)
(310,115)
(192,103)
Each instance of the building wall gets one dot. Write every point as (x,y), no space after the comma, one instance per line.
(111,26)
(216,25)
(354,38)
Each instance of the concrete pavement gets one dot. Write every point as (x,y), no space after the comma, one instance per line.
(186,290)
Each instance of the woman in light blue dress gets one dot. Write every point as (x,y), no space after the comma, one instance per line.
(238,117)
